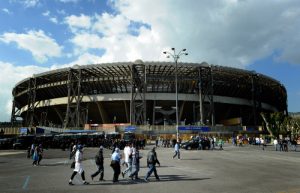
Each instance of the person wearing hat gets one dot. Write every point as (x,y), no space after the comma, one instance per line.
(99,160)
(78,166)
(151,162)
(115,164)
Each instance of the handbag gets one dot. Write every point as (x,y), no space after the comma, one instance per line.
(112,163)
(73,165)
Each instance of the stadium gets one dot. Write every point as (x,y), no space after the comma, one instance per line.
(145,93)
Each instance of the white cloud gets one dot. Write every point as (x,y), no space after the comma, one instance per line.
(38,43)
(87,58)
(75,22)
(110,25)
(87,40)
(219,32)
(10,75)
(6,11)
(53,20)
(46,13)
(30,3)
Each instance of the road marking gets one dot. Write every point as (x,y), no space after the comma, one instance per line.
(11,153)
(26,182)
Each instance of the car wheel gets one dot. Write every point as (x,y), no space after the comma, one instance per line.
(189,147)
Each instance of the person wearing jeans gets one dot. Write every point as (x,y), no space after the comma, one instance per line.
(151,162)
(176,150)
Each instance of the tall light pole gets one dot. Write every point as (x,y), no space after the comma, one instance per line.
(176,57)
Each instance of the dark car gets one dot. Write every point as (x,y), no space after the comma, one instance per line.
(194,144)
(6,143)
(23,142)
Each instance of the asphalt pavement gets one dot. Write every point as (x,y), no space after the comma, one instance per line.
(232,170)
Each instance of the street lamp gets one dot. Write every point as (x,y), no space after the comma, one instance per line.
(176,57)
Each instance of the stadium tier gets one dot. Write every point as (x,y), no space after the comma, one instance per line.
(141,93)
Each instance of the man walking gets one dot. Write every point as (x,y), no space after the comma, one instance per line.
(99,160)
(78,166)
(127,159)
(115,164)
(151,162)
(176,150)
(135,163)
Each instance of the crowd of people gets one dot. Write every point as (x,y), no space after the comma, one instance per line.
(280,144)
(130,160)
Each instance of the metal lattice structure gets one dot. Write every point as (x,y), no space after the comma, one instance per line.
(143,93)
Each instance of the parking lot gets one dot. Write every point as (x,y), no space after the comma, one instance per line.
(235,169)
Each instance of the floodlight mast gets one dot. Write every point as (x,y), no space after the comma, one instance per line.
(176,57)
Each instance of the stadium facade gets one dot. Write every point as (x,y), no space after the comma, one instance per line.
(141,93)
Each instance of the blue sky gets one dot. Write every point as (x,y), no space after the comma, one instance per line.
(41,35)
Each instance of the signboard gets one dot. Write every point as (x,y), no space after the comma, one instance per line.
(130,129)
(194,128)
(24,130)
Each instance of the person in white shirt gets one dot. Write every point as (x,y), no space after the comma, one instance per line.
(78,166)
(263,142)
(275,142)
(128,159)
(176,150)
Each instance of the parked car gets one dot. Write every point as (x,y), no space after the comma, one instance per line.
(24,141)
(6,143)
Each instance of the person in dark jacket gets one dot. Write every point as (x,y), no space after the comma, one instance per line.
(135,163)
(151,162)
(99,160)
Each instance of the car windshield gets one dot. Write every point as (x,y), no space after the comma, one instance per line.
(20,140)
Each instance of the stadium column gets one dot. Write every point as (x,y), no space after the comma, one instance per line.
(73,116)
(200,97)
(138,88)
(31,95)
(254,102)
(212,105)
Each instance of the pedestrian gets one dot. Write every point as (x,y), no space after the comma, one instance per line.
(28,152)
(151,164)
(32,149)
(275,142)
(135,163)
(127,159)
(263,142)
(115,164)
(73,150)
(200,143)
(221,143)
(40,154)
(78,166)
(99,160)
(176,150)
(280,145)
(35,156)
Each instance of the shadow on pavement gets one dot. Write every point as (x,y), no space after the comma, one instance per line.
(163,178)
(192,159)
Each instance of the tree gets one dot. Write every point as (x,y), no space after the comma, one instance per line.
(276,123)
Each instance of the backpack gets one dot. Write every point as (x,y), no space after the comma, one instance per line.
(150,158)
(97,159)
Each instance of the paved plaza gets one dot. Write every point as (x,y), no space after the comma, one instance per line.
(246,169)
